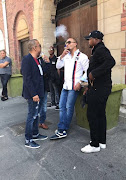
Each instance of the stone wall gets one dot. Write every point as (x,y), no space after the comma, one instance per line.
(44,29)
(109,22)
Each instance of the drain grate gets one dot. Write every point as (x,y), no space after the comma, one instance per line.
(19,129)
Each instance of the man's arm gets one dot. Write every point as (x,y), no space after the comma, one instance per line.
(60,59)
(3,65)
(108,63)
(27,78)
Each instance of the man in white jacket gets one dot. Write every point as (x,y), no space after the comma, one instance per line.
(75,66)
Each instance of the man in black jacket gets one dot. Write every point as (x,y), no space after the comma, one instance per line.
(54,80)
(33,91)
(100,84)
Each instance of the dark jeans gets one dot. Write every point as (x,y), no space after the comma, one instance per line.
(54,92)
(4,81)
(32,119)
(96,114)
(43,108)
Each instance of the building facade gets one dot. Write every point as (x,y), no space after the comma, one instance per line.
(22,20)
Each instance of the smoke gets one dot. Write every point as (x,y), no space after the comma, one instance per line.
(61,31)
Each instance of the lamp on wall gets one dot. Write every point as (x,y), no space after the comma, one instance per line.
(53,20)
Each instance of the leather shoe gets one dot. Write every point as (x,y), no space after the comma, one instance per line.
(44,126)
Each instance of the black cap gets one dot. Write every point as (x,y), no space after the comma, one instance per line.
(95,34)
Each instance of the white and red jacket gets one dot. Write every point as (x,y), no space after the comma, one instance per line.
(74,67)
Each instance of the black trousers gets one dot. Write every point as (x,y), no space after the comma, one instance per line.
(4,81)
(96,114)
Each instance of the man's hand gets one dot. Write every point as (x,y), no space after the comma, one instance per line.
(86,89)
(77,87)
(65,52)
(91,76)
(3,65)
(46,59)
(36,98)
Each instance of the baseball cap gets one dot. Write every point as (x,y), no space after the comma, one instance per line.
(95,34)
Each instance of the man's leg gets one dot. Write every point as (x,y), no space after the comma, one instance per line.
(66,105)
(71,99)
(61,132)
(63,110)
(92,115)
(56,90)
(43,111)
(4,80)
(31,118)
(67,102)
(52,93)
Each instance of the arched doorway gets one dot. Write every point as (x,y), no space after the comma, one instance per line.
(22,34)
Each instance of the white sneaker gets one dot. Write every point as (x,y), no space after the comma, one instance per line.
(102,146)
(90,149)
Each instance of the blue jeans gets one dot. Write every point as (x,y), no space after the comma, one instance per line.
(66,105)
(32,119)
(43,108)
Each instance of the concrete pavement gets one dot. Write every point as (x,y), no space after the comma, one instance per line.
(60,159)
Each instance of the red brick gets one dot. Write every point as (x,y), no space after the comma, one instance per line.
(123,15)
(123,28)
(123,50)
(123,23)
(123,9)
(123,54)
(123,63)
(13,9)
(123,19)
(123,58)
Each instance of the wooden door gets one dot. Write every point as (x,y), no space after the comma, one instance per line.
(79,22)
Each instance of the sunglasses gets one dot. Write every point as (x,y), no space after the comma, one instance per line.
(69,42)
(38,45)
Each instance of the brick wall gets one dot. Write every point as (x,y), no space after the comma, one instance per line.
(123,28)
(14,8)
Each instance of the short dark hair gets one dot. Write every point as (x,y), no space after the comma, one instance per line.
(3,50)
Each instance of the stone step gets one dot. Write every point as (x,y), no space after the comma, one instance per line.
(122,113)
(122,110)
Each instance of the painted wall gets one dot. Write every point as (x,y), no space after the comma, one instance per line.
(109,22)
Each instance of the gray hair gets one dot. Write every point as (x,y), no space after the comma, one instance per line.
(31,44)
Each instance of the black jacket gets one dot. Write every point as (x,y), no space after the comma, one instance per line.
(32,79)
(100,65)
(54,77)
(46,73)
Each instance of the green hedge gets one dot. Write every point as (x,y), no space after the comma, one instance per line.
(112,108)
(15,85)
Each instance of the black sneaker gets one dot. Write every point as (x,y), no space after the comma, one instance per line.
(3,98)
(32,144)
(57,107)
(58,135)
(39,137)
(53,104)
